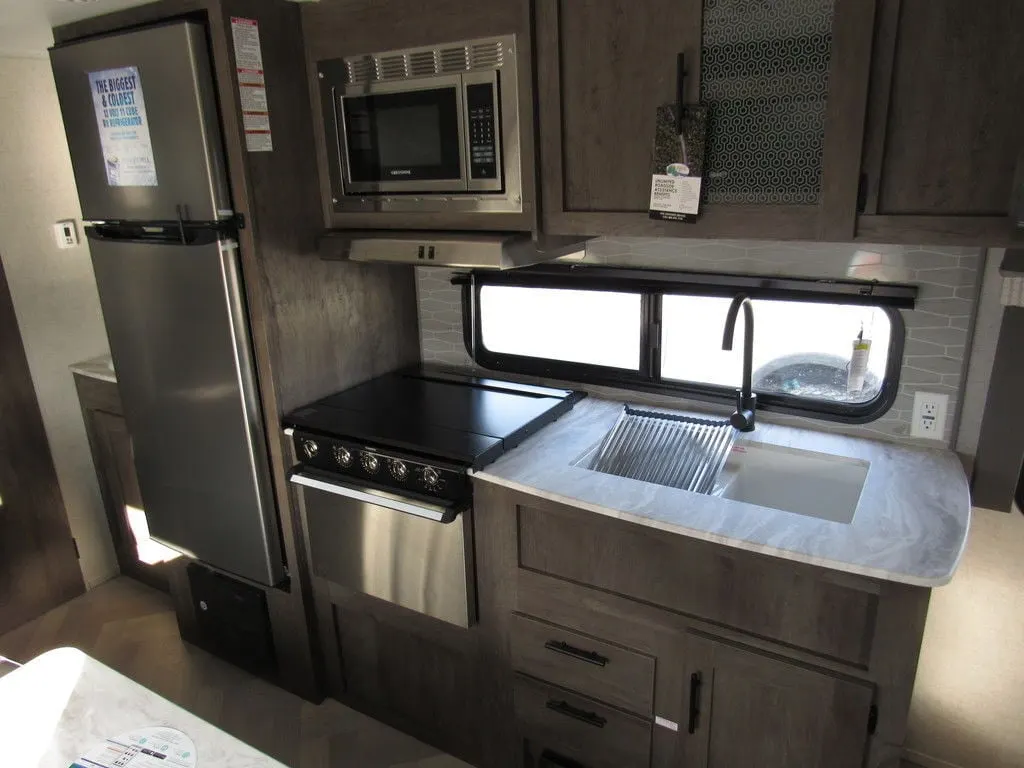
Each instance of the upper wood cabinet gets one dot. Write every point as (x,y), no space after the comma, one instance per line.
(746,708)
(786,83)
(944,145)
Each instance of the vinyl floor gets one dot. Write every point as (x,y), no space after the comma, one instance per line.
(132,628)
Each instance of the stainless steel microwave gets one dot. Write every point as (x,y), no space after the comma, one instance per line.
(424,129)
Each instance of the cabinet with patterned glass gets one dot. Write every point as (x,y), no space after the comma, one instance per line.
(785,83)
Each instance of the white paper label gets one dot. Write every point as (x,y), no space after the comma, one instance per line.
(666,723)
(252,88)
(675,194)
(124,130)
(153,747)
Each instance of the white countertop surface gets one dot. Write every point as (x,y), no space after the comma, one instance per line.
(101,367)
(62,704)
(910,524)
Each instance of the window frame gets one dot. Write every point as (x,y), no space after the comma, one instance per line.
(653,285)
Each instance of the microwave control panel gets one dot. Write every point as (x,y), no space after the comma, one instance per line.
(483,129)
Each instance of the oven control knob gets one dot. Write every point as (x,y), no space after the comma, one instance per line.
(343,456)
(370,463)
(399,469)
(431,477)
(310,448)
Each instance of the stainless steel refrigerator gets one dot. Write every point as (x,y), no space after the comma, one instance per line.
(141,119)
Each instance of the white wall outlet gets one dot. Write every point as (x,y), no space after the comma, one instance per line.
(929,420)
(66,233)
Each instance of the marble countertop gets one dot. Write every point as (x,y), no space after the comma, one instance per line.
(101,367)
(910,524)
(63,704)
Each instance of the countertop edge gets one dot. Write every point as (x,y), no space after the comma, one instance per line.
(742,544)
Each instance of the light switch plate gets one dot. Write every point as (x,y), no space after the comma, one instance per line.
(929,419)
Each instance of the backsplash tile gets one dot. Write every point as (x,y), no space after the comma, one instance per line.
(937,337)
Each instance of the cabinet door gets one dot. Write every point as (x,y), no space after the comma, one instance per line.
(115,468)
(749,709)
(944,148)
(786,87)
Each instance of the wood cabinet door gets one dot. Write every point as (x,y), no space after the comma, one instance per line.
(786,86)
(944,147)
(746,708)
(115,467)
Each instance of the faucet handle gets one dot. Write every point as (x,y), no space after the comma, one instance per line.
(743,418)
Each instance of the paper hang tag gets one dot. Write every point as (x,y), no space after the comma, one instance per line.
(678,163)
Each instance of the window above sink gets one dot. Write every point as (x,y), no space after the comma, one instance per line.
(662,331)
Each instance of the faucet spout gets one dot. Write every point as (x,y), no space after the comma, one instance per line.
(746,400)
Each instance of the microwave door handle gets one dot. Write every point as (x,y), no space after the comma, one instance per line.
(437,513)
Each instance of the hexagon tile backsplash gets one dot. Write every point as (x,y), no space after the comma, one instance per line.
(938,329)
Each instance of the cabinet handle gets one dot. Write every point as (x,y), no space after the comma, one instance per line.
(591,657)
(567,709)
(694,702)
(555,760)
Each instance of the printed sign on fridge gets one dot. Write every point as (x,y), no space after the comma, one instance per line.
(124,129)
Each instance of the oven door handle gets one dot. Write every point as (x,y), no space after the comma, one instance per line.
(435,512)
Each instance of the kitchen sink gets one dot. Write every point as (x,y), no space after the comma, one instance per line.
(793,480)
(701,456)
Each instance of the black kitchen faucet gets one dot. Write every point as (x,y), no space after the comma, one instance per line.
(746,400)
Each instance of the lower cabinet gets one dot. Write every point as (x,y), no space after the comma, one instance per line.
(111,446)
(745,708)
(636,648)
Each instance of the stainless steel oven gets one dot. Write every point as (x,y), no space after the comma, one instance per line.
(410,551)
(432,128)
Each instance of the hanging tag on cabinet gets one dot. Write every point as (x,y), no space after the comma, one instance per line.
(678,162)
(679,139)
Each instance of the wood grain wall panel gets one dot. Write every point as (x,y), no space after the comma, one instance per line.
(38,561)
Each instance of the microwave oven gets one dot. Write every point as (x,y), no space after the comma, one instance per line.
(434,128)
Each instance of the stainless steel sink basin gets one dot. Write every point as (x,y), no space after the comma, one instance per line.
(793,480)
(699,455)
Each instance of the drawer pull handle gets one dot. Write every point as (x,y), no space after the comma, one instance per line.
(694,702)
(549,759)
(577,653)
(567,709)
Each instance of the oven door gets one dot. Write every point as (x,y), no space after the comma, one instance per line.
(402,138)
(406,551)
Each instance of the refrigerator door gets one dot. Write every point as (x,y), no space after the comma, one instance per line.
(176,319)
(142,125)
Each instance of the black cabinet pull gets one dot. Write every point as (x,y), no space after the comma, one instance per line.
(577,653)
(549,759)
(567,709)
(694,702)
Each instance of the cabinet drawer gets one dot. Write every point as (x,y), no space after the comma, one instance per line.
(607,672)
(830,615)
(582,729)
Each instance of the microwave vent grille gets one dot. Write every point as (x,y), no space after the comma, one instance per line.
(391,68)
(425,62)
(486,55)
(422,63)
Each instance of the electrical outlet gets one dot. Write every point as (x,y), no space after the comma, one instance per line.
(66,234)
(929,420)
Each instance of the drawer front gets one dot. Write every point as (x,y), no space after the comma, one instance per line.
(607,672)
(586,731)
(786,602)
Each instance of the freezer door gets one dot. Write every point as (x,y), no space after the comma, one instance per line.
(176,321)
(161,146)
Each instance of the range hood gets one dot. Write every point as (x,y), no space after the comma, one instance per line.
(465,250)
